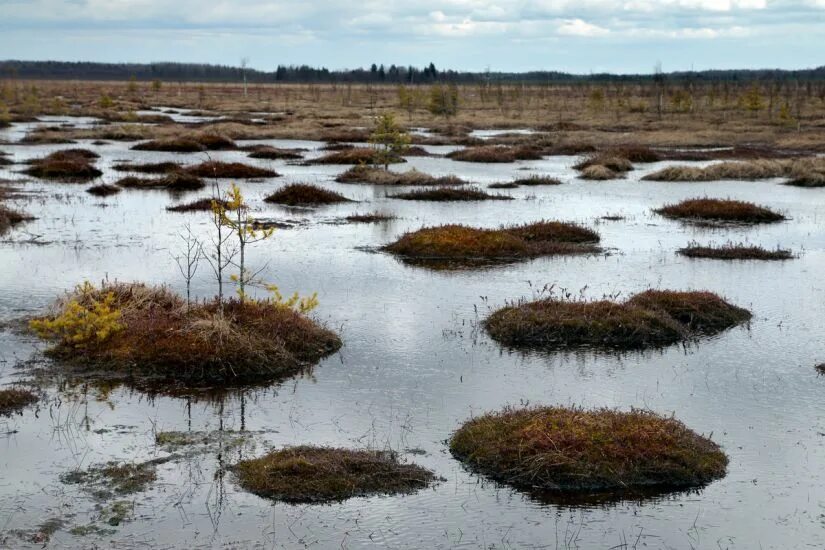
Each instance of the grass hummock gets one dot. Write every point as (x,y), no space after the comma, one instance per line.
(304,194)
(308,474)
(719,210)
(187,144)
(733,251)
(495,154)
(274,153)
(69,165)
(151,335)
(573,450)
(103,190)
(654,318)
(200,205)
(173,181)
(217,169)
(149,168)
(354,155)
(378,176)
(801,169)
(371,217)
(9,218)
(447,194)
(470,244)
(14,400)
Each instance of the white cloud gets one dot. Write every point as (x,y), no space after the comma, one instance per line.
(578,27)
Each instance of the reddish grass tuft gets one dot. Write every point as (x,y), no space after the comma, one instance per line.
(448,194)
(150,168)
(731,251)
(378,176)
(496,154)
(353,155)
(302,194)
(217,169)
(719,210)
(576,450)
(69,165)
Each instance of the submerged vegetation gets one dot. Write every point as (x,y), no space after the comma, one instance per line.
(652,318)
(469,244)
(14,400)
(304,194)
(732,251)
(576,450)
(379,176)
(446,194)
(305,474)
(720,210)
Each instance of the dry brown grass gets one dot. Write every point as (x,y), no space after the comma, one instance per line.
(495,154)
(302,475)
(378,176)
(103,190)
(448,194)
(10,217)
(598,172)
(174,181)
(303,194)
(798,169)
(610,161)
(193,143)
(731,251)
(571,449)
(14,400)
(353,155)
(217,169)
(69,165)
(719,210)
(200,205)
(274,153)
(372,217)
(149,168)
(536,180)
(164,341)
(468,244)
(650,319)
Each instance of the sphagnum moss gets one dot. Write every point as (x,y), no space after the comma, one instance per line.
(309,474)
(577,450)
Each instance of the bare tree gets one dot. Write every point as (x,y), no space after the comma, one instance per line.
(244,63)
(189,259)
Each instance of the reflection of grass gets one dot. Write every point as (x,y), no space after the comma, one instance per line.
(649,319)
(719,210)
(321,474)
(576,450)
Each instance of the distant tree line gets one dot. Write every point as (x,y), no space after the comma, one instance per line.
(375,74)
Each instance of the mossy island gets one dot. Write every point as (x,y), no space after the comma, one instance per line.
(468,245)
(572,450)
(654,318)
(315,475)
(145,334)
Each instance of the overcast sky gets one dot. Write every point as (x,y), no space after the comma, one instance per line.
(570,35)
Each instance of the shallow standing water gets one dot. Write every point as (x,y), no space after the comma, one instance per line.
(414,366)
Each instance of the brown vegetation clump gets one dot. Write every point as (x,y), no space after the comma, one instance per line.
(503,185)
(802,169)
(575,450)
(612,162)
(536,180)
(274,153)
(200,205)
(378,176)
(14,400)
(9,218)
(373,217)
(103,190)
(733,251)
(306,474)
(150,168)
(174,181)
(70,165)
(635,153)
(354,155)
(303,194)
(649,319)
(495,154)
(217,169)
(597,172)
(447,194)
(458,242)
(719,210)
(149,334)
(187,144)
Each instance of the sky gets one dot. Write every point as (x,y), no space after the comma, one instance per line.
(580,36)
